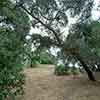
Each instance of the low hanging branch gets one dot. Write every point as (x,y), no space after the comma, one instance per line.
(48,27)
(87,69)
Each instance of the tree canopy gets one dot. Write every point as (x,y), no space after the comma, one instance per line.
(51,17)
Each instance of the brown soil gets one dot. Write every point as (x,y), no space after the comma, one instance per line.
(42,84)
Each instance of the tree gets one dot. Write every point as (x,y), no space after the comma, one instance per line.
(93,40)
(14,26)
(50,15)
(88,32)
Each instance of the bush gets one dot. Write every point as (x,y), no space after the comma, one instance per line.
(11,78)
(46,61)
(62,70)
(11,84)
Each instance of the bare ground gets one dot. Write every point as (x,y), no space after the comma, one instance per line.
(42,84)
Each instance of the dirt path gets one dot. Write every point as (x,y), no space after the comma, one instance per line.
(42,84)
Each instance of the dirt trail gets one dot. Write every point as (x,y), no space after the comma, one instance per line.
(42,84)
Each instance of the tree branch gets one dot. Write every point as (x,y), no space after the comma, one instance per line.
(50,19)
(2,20)
(48,27)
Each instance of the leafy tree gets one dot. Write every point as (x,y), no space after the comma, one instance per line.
(14,26)
(93,39)
(87,36)
(10,77)
(51,16)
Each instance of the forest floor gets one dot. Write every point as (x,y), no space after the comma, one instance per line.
(42,84)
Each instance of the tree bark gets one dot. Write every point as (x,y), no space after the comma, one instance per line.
(88,71)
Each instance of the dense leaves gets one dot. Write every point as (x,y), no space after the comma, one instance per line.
(14,27)
(10,79)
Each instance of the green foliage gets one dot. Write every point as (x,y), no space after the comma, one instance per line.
(62,70)
(38,56)
(94,36)
(11,83)
(11,79)
(15,18)
(45,61)
(45,58)
(13,29)
(41,58)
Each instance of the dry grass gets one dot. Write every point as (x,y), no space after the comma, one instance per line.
(42,84)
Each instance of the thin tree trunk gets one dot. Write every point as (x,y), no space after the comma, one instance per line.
(31,65)
(89,72)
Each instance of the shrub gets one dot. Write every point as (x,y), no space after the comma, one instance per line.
(62,70)
(11,78)
(11,84)
(46,61)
